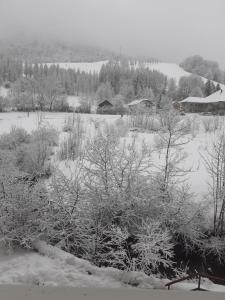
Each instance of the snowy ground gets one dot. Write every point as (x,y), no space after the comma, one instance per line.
(58,293)
(54,267)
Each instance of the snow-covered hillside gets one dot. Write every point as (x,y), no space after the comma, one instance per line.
(171,70)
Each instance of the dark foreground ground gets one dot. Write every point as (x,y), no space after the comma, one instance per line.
(12,292)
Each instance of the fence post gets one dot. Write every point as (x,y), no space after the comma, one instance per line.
(199,281)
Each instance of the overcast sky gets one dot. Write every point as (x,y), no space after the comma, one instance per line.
(166,29)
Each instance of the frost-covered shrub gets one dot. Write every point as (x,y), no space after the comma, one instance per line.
(14,138)
(215,123)
(193,123)
(144,121)
(153,248)
(45,135)
(68,124)
(84,108)
(22,205)
(72,122)
(72,145)
(34,158)
(22,213)
(4,103)
(115,211)
(60,105)
(207,124)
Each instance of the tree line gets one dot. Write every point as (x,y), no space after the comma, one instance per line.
(43,87)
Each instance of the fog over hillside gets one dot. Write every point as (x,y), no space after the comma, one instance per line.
(168,30)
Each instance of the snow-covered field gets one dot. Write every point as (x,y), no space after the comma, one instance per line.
(197,145)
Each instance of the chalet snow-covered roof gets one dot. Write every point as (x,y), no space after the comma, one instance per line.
(194,100)
(216,97)
(135,102)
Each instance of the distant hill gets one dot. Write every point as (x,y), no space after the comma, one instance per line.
(205,68)
(52,51)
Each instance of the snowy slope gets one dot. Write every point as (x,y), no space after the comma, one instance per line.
(169,69)
(172,70)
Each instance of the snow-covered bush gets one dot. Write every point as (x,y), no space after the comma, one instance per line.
(69,123)
(215,123)
(23,206)
(14,138)
(4,104)
(172,135)
(72,145)
(153,248)
(214,161)
(194,126)
(45,135)
(33,158)
(207,124)
(99,211)
(115,199)
(144,121)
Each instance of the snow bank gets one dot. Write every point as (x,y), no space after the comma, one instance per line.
(105,277)
(58,268)
(54,267)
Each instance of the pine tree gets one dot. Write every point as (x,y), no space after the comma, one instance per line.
(218,88)
(209,88)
